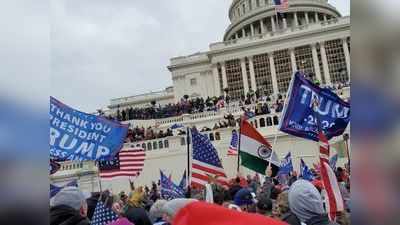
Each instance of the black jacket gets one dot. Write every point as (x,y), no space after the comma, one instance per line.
(138,216)
(290,218)
(320,220)
(65,215)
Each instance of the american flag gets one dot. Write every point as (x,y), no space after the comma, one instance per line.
(233,147)
(103,215)
(127,163)
(281,5)
(206,163)
(169,190)
(334,200)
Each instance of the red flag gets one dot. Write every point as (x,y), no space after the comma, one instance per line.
(334,197)
(202,213)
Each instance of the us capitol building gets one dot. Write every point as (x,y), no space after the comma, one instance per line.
(260,51)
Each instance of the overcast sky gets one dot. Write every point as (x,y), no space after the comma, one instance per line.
(102,49)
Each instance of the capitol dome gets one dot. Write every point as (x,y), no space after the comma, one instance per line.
(255,17)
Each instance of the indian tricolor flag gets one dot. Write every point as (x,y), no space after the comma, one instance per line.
(255,150)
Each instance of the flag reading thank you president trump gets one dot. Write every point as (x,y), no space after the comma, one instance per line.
(299,116)
(76,135)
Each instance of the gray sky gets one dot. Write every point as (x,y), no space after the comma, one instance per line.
(102,49)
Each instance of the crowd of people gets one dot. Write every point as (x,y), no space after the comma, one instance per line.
(295,201)
(141,134)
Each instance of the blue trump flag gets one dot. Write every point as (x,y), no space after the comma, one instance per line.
(305,172)
(286,166)
(76,135)
(299,117)
(55,189)
(169,190)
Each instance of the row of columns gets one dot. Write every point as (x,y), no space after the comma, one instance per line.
(274,26)
(253,84)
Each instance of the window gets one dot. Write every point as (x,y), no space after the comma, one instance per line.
(262,122)
(336,61)
(73,166)
(304,60)
(193,82)
(276,120)
(262,71)
(255,123)
(155,145)
(283,66)
(149,147)
(160,144)
(81,165)
(257,3)
(250,6)
(234,78)
(144,146)
(217,136)
(269,121)
(166,144)
(211,137)
(244,8)
(183,141)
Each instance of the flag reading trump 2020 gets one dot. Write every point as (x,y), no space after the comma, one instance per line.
(299,118)
(76,135)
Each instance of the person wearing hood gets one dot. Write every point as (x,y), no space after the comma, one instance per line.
(156,213)
(134,210)
(306,203)
(69,207)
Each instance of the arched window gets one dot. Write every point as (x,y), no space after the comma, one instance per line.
(262,122)
(276,120)
(211,137)
(144,146)
(166,144)
(255,123)
(183,141)
(160,144)
(269,121)
(149,147)
(217,136)
(81,165)
(155,145)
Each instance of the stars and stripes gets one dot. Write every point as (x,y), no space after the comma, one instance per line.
(103,215)
(281,5)
(206,164)
(334,199)
(127,163)
(169,190)
(233,147)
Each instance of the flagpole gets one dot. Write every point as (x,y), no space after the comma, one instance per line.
(288,93)
(188,161)
(238,154)
(346,139)
(98,175)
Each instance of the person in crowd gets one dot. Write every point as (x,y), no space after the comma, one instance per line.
(134,211)
(69,207)
(282,209)
(171,208)
(235,187)
(245,199)
(293,178)
(306,203)
(156,213)
(264,206)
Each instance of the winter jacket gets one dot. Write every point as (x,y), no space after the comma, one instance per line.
(320,220)
(65,215)
(290,218)
(137,215)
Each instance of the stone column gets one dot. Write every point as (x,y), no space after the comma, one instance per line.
(252,74)
(316,62)
(296,20)
(217,90)
(325,64)
(262,26)
(273,73)
(244,76)
(243,33)
(325,19)
(237,35)
(346,55)
(273,24)
(224,79)
(307,19)
(284,23)
(293,59)
(316,17)
(252,29)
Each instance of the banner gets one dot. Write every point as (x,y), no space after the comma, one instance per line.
(76,135)
(298,117)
